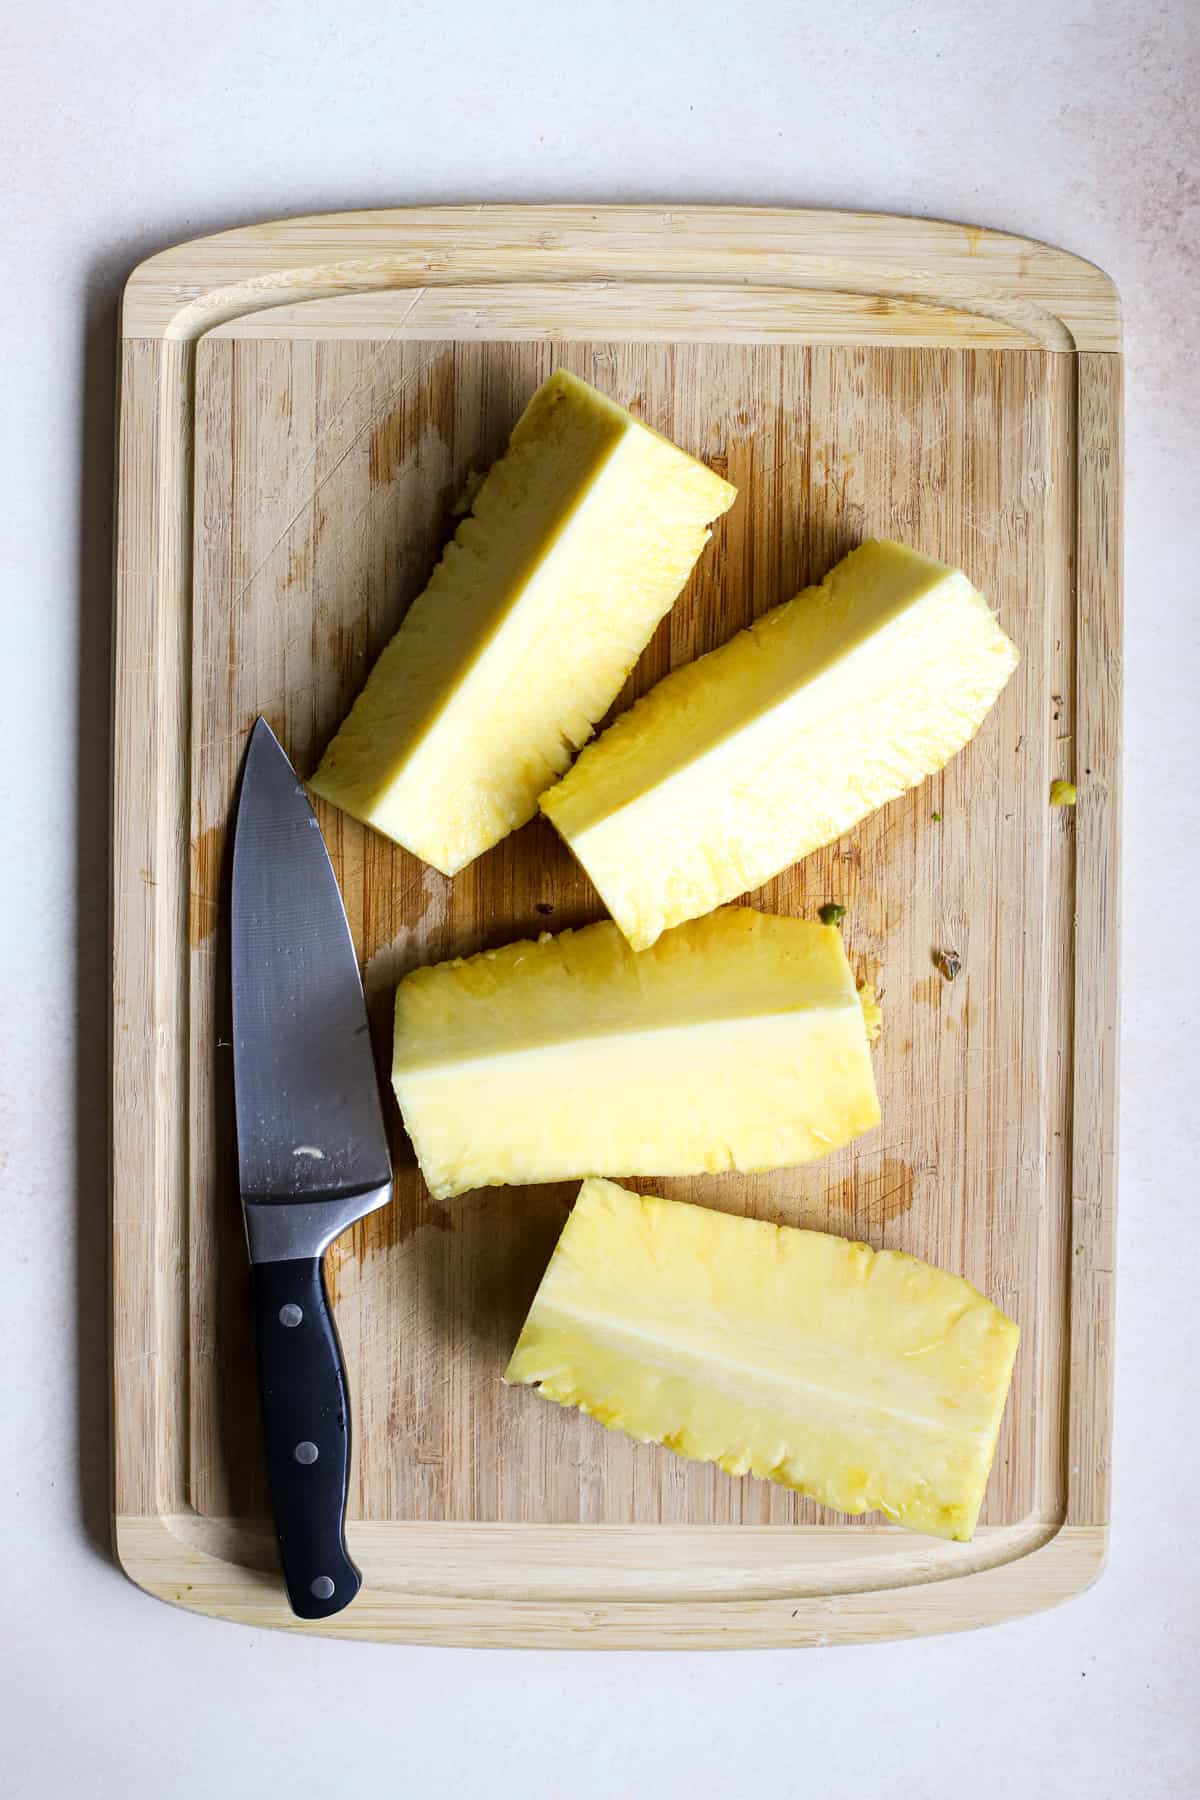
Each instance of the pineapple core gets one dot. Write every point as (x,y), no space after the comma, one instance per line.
(741,763)
(865,1379)
(578,541)
(737,1042)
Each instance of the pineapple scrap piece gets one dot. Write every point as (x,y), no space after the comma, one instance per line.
(737,1042)
(744,761)
(872,1011)
(578,541)
(865,1379)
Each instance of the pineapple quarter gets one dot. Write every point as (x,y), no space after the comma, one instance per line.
(737,1042)
(578,541)
(865,1379)
(744,761)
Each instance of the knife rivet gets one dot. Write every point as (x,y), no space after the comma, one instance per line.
(322,1588)
(306,1452)
(291,1314)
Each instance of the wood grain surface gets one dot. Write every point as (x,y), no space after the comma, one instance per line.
(284,495)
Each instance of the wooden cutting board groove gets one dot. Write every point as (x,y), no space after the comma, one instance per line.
(301,406)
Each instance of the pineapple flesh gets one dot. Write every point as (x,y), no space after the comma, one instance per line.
(744,761)
(578,541)
(737,1042)
(864,1379)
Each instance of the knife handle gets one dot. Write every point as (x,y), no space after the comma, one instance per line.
(306,1422)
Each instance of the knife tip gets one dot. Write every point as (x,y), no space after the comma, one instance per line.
(261,731)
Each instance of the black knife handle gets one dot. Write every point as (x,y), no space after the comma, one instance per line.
(306,1422)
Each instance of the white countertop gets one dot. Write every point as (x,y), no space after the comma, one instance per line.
(125,129)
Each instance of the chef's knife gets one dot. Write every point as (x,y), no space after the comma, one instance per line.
(312,1154)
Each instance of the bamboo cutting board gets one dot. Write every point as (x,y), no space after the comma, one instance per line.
(301,406)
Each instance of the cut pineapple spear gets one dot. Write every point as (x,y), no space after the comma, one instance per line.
(579,540)
(738,1042)
(865,1379)
(741,763)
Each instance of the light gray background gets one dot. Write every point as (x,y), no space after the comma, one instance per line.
(123,129)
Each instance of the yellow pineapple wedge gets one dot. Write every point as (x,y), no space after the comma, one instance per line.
(737,1042)
(865,1379)
(741,763)
(579,539)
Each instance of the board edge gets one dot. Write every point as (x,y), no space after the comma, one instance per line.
(1096,821)
(1065,301)
(1061,1568)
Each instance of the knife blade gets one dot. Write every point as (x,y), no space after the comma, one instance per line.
(312,1154)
